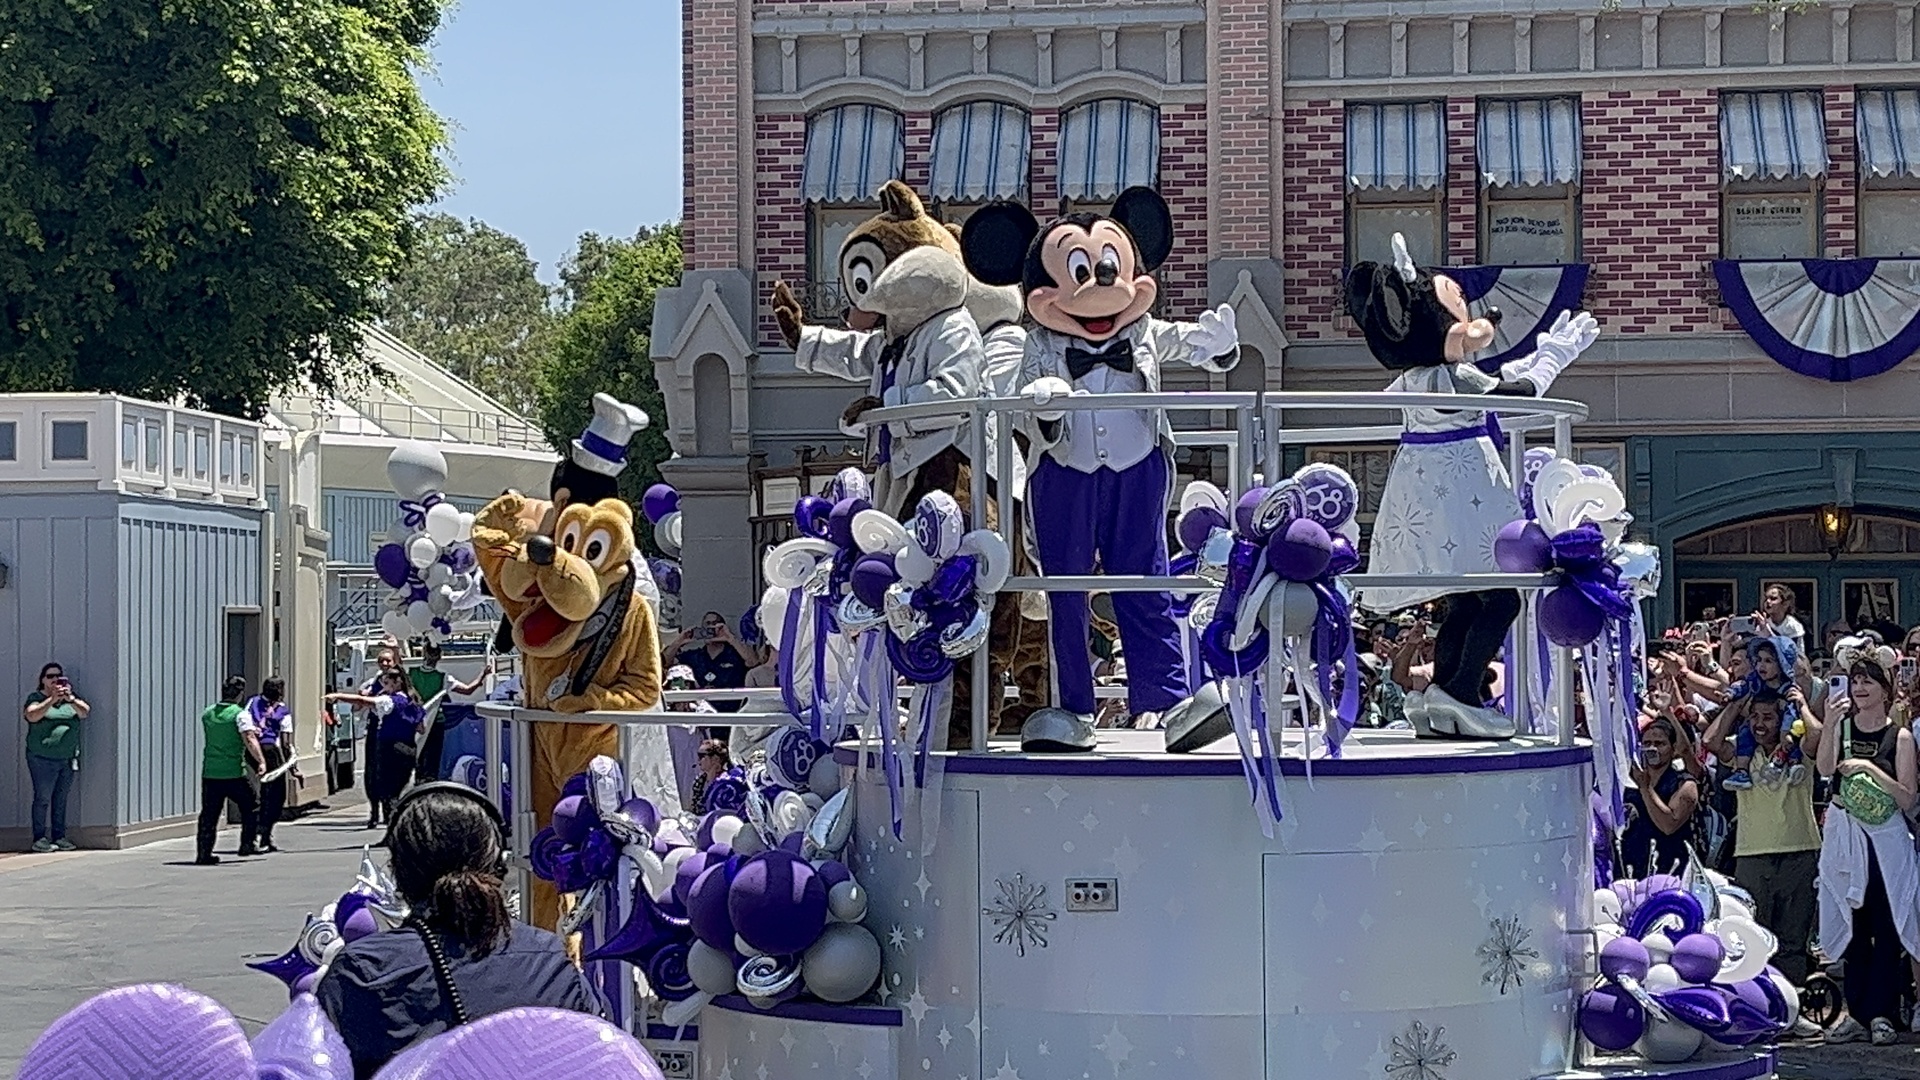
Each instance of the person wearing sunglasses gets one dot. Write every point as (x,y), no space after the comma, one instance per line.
(53,713)
(714,760)
(711,654)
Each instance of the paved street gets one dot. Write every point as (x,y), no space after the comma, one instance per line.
(74,924)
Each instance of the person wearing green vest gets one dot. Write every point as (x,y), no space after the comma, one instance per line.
(231,746)
(428,681)
(53,714)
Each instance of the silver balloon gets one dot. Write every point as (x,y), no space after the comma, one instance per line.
(847,901)
(830,829)
(316,938)
(1667,1041)
(1297,606)
(1201,613)
(905,622)
(968,638)
(768,976)
(824,780)
(842,964)
(710,969)
(855,616)
(1639,568)
(590,901)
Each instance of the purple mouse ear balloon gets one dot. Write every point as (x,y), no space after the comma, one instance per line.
(137,1032)
(520,1043)
(300,1044)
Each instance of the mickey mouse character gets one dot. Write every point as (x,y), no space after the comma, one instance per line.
(1448,493)
(1100,486)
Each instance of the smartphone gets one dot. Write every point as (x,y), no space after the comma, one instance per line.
(62,683)
(1698,632)
(1738,625)
(1837,686)
(1908,667)
(1649,758)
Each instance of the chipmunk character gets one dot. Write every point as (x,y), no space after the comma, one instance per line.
(580,603)
(1100,485)
(921,329)
(1448,494)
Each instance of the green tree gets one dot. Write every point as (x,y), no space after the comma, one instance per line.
(471,300)
(602,344)
(199,198)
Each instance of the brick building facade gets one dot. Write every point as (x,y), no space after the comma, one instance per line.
(1613,159)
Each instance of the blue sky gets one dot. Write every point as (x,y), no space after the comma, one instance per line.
(566,117)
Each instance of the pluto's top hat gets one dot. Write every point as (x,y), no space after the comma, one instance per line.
(602,448)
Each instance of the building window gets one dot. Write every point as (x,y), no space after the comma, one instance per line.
(852,151)
(69,440)
(180,452)
(129,443)
(227,456)
(246,462)
(1106,147)
(1529,154)
(1773,156)
(1396,181)
(9,440)
(202,452)
(980,153)
(151,430)
(1887,128)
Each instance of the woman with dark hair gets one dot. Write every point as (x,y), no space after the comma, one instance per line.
(459,956)
(273,724)
(53,714)
(398,718)
(1869,885)
(1661,824)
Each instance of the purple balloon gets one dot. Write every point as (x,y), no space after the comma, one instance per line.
(1301,551)
(300,1044)
(575,785)
(1703,1007)
(777,903)
(840,521)
(646,931)
(1610,1019)
(643,812)
(1625,958)
(390,562)
(358,925)
(708,911)
(136,1032)
(1569,619)
(688,872)
(1697,957)
(659,501)
(1522,548)
(794,842)
(573,818)
(832,872)
(520,1043)
(544,851)
(1243,510)
(810,515)
(953,580)
(870,579)
(1677,903)
(1197,524)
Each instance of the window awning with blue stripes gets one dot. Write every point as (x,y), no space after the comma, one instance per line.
(1107,147)
(980,152)
(1887,125)
(851,151)
(1529,143)
(1773,135)
(1396,147)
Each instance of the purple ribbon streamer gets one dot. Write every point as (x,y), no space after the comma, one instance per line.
(1269,763)
(790,628)
(884,705)
(414,514)
(822,626)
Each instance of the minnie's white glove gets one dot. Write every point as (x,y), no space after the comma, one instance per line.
(1043,390)
(1569,336)
(1213,337)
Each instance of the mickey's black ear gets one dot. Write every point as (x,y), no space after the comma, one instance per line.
(1144,214)
(994,242)
(1380,301)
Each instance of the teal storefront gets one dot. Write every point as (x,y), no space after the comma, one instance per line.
(1733,514)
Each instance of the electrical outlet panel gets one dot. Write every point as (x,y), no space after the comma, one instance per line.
(1093,894)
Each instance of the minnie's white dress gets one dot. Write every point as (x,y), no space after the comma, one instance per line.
(1447,495)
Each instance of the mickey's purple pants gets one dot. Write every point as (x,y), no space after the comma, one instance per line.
(1121,518)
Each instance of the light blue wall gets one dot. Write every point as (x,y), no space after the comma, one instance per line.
(355,517)
(59,605)
(181,569)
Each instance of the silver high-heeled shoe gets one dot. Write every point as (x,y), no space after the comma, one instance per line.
(1415,706)
(1446,713)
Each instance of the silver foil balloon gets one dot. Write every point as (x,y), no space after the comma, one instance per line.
(317,940)
(759,812)
(768,976)
(902,618)
(1640,568)
(589,903)
(1201,613)
(855,616)
(830,829)
(967,638)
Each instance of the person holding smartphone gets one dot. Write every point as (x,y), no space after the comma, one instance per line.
(1661,823)
(53,713)
(711,653)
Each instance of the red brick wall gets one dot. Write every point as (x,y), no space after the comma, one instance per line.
(1241,77)
(1183,181)
(917,140)
(1314,151)
(1043,163)
(1463,182)
(781,241)
(1843,179)
(710,91)
(1652,208)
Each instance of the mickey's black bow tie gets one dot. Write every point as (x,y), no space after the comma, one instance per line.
(1118,356)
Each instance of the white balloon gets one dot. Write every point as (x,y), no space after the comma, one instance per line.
(654,875)
(416,469)
(710,969)
(421,551)
(440,600)
(439,574)
(1749,948)
(1202,493)
(420,616)
(1584,500)
(1662,977)
(877,533)
(847,901)
(823,782)
(1668,1041)
(1606,906)
(914,566)
(465,532)
(1293,607)
(773,615)
(790,565)
(443,523)
(668,532)
(727,829)
(790,813)
(1659,948)
(671,862)
(996,560)
(1555,476)
(396,625)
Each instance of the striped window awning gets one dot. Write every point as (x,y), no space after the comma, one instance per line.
(1107,147)
(980,152)
(1529,143)
(1887,125)
(1398,147)
(851,151)
(1773,135)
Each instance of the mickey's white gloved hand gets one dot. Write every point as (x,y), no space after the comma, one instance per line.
(1569,336)
(1213,335)
(1042,391)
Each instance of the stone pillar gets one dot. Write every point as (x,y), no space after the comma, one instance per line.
(716,549)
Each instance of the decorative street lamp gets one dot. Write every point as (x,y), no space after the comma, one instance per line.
(1836,525)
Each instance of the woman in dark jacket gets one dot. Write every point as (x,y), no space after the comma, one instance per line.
(460,956)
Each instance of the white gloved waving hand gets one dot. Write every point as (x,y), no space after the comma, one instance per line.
(1213,334)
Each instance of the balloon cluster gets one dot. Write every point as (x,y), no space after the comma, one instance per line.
(752,899)
(428,558)
(808,581)
(371,906)
(1575,517)
(661,507)
(1682,965)
(1205,538)
(156,1029)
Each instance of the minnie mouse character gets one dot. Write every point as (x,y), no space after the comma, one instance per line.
(1100,486)
(1448,494)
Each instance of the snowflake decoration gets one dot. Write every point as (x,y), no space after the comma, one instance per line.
(1420,1054)
(1505,954)
(1021,913)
